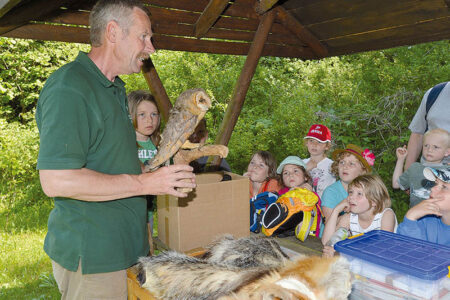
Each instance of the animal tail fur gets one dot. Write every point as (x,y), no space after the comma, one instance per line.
(173,275)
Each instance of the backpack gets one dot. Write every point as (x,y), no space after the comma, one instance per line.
(432,96)
(296,208)
(258,206)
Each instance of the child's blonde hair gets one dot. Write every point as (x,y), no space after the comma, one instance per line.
(134,99)
(441,132)
(341,156)
(375,191)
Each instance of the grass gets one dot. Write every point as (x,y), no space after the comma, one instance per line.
(26,271)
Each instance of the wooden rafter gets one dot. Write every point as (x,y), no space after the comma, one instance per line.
(7,5)
(293,25)
(34,11)
(262,6)
(209,16)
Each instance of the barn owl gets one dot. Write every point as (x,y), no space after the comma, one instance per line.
(190,107)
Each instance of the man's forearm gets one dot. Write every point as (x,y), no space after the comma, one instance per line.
(88,185)
(414,149)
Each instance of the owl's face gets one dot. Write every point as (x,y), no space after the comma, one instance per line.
(203,102)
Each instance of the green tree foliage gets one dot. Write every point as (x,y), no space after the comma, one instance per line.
(24,67)
(367,98)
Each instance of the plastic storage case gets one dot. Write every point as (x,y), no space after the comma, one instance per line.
(392,266)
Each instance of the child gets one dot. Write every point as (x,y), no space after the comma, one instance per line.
(348,164)
(430,219)
(318,142)
(293,174)
(262,173)
(436,146)
(146,121)
(367,208)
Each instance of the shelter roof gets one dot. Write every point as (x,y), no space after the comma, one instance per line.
(306,29)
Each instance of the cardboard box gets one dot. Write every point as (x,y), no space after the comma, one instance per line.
(214,208)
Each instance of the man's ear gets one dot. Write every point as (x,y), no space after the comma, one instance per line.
(111,31)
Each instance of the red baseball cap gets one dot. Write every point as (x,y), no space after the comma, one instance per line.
(319,132)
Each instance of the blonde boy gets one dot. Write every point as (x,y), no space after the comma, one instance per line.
(436,146)
(430,219)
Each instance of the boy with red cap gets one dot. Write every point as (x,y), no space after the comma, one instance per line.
(318,142)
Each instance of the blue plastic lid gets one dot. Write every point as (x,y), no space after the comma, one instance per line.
(408,255)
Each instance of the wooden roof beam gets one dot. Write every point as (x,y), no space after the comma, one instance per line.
(209,16)
(33,11)
(302,33)
(262,6)
(7,5)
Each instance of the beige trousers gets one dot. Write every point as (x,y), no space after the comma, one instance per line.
(75,285)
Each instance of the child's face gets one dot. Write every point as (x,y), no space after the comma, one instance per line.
(441,192)
(257,170)
(435,148)
(349,168)
(147,119)
(315,148)
(293,176)
(357,200)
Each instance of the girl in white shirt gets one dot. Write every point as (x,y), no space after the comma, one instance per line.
(367,208)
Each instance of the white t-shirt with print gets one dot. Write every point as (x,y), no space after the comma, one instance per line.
(321,175)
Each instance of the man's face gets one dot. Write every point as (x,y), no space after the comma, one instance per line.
(134,45)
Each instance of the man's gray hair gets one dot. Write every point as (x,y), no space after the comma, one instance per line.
(105,11)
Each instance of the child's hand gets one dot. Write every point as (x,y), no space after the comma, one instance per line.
(401,152)
(246,174)
(307,186)
(344,206)
(311,165)
(328,251)
(426,207)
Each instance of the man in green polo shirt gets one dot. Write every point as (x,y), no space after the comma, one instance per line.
(88,159)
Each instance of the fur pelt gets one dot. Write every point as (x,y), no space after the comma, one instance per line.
(246,252)
(223,274)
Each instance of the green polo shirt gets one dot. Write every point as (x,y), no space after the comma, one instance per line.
(83,122)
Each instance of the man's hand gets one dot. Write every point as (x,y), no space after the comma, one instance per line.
(166,180)
(426,207)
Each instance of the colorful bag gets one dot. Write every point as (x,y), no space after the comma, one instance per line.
(296,208)
(258,206)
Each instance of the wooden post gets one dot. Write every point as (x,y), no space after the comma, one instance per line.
(240,91)
(156,88)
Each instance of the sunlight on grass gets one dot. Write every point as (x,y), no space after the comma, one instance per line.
(25,269)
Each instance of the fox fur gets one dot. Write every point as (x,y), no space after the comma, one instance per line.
(224,274)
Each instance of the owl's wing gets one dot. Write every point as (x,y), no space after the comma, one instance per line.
(179,127)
